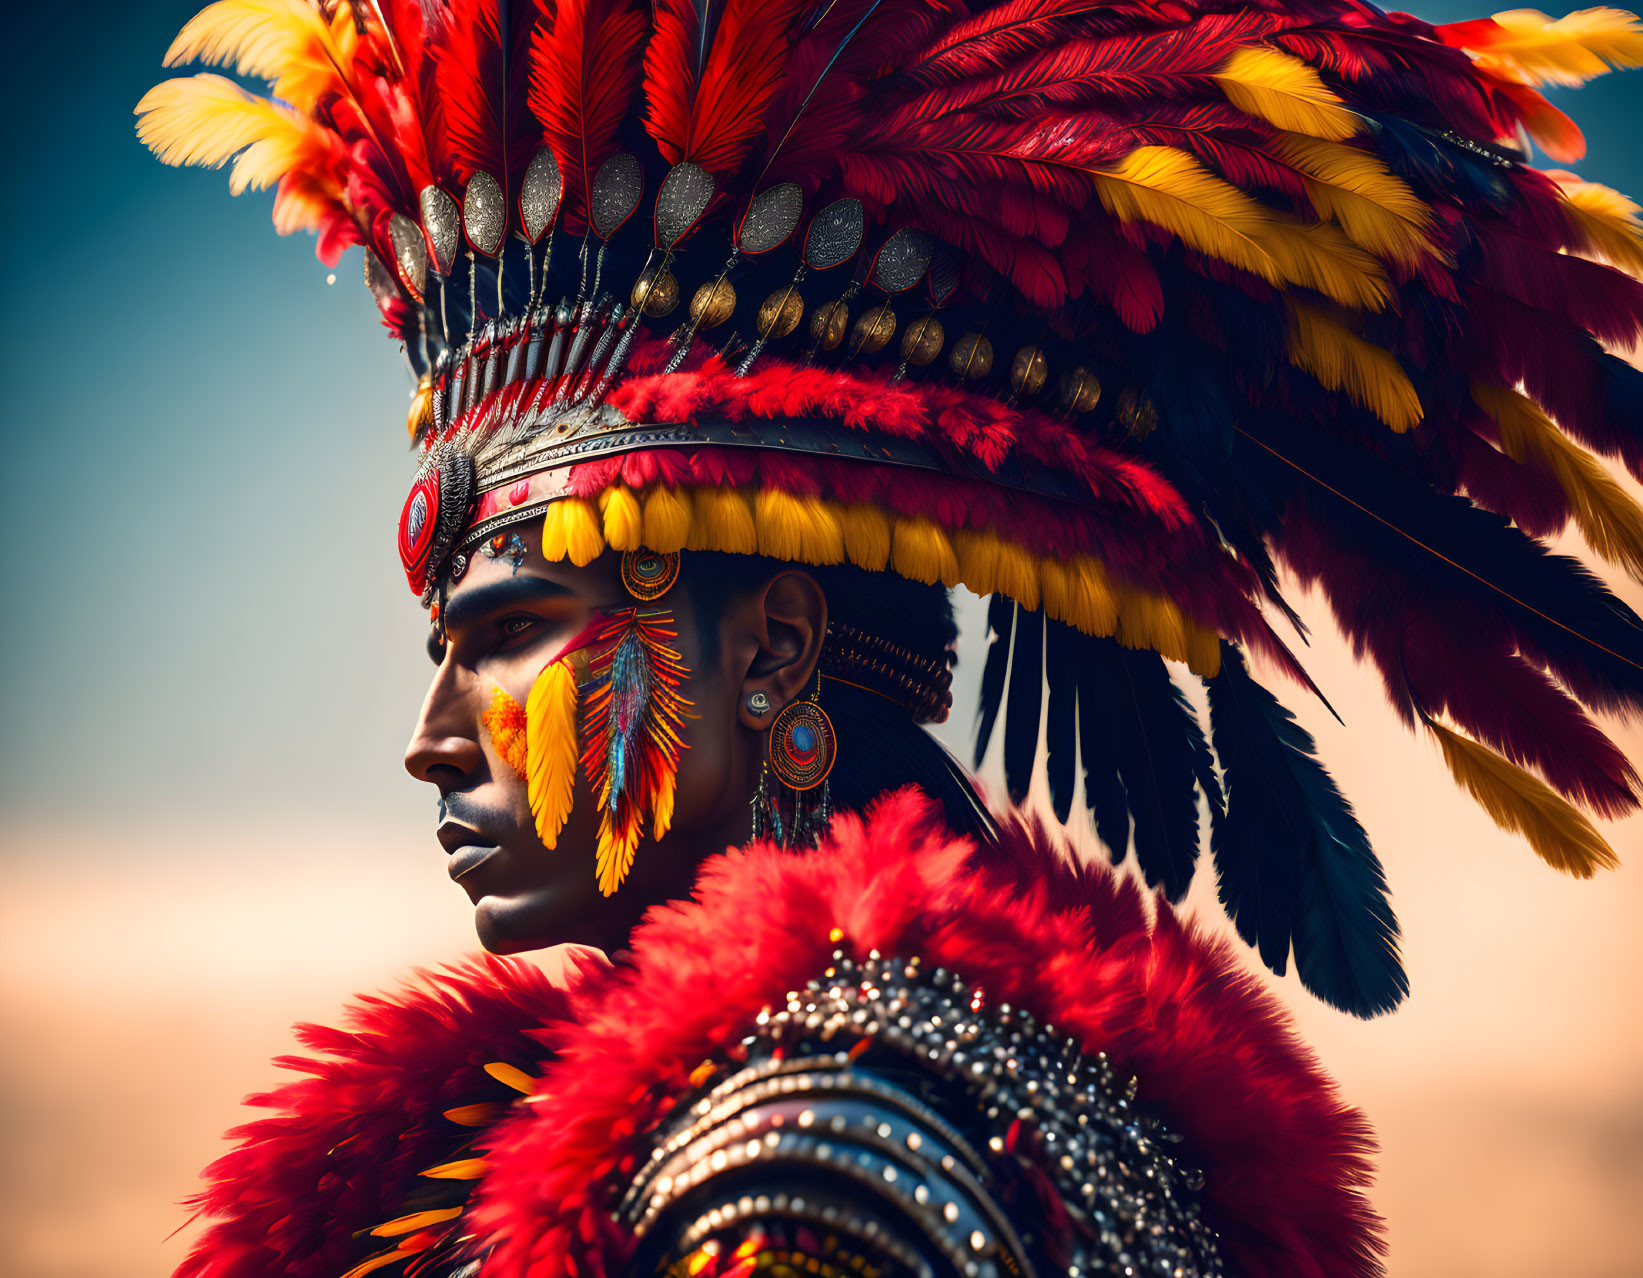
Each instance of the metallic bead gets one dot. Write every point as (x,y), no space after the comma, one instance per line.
(873,330)
(971,356)
(1136,412)
(656,293)
(827,324)
(1028,372)
(713,304)
(780,313)
(1080,391)
(923,340)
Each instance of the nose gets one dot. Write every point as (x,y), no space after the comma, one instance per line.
(444,748)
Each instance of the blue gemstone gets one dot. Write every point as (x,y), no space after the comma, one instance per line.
(804,738)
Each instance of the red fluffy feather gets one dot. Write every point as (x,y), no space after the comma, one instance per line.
(1285,1159)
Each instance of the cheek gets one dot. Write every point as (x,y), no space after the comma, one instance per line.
(708,768)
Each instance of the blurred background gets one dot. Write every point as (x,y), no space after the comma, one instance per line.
(210,665)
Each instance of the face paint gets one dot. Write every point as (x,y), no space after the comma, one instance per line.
(506,546)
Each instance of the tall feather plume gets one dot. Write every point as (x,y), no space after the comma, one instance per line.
(209,120)
(711,69)
(633,733)
(583,77)
(483,69)
(1293,866)
(289,43)
(551,748)
(1531,48)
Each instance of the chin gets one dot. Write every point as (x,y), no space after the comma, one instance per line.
(533,921)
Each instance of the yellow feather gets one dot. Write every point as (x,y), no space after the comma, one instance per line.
(1375,208)
(821,536)
(551,749)
(723,520)
(1017,574)
(1146,620)
(379,1261)
(1608,518)
(415,1221)
(571,530)
(287,42)
(1532,48)
(1094,602)
(667,519)
(1056,589)
(866,536)
(1606,222)
(1343,361)
(207,120)
(1285,92)
(779,517)
(461,1169)
(661,817)
(623,523)
(477,1115)
(1523,804)
(512,1076)
(977,552)
(1203,651)
(1169,188)
(616,852)
(920,551)
(1320,257)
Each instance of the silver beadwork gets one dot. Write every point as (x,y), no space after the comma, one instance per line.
(539,194)
(485,213)
(617,187)
(410,253)
(835,234)
(771,217)
(686,192)
(443,221)
(902,261)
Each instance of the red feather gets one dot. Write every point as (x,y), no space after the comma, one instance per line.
(710,76)
(483,68)
(584,72)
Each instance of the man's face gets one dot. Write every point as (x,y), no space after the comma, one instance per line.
(507,618)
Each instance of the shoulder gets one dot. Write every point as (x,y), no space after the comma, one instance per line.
(1284,1160)
(403,1087)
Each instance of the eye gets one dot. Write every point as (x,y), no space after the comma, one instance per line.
(512,626)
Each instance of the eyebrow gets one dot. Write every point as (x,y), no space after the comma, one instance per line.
(486,601)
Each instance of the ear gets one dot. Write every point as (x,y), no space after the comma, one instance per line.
(790,622)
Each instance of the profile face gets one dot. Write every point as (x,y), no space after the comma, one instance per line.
(510,615)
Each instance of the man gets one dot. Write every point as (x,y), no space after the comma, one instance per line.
(1304,303)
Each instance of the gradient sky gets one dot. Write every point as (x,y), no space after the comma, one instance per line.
(210,655)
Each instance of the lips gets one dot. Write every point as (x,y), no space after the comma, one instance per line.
(465,860)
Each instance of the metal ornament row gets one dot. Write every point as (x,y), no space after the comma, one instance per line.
(835,235)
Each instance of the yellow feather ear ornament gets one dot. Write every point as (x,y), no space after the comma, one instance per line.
(551,749)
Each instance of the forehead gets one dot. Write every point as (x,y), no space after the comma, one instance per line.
(515,554)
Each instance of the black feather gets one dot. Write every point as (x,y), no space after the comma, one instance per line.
(1021,715)
(1061,719)
(1001,623)
(1292,864)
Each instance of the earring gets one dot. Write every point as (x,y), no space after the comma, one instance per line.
(758,703)
(801,753)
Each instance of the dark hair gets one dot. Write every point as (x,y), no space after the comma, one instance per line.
(880,747)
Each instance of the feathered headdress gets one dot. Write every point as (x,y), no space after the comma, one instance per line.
(1110,311)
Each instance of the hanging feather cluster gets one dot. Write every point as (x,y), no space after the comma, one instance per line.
(1346,333)
(633,732)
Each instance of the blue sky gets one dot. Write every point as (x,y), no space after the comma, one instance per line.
(204,460)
